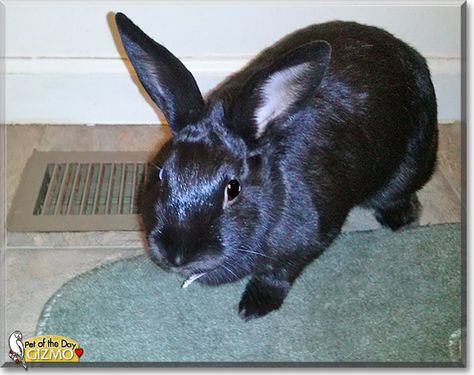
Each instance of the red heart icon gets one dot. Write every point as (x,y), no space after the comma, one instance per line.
(79,352)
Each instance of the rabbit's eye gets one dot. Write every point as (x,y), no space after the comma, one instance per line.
(232,190)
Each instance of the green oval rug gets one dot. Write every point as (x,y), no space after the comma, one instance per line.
(372,297)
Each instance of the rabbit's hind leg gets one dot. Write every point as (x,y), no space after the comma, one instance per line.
(399,213)
(396,203)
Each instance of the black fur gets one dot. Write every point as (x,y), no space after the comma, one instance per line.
(354,122)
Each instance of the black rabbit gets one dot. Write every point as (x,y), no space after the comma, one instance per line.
(260,176)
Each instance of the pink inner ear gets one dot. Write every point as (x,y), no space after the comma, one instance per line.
(279,92)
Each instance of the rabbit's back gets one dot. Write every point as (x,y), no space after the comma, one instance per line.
(374,100)
(372,121)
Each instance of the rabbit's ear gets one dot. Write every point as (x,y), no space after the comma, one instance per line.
(278,90)
(170,85)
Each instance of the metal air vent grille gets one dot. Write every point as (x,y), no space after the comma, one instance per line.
(79,191)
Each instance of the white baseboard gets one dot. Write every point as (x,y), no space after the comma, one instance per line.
(101,91)
(63,64)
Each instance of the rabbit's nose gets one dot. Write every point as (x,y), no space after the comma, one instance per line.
(176,260)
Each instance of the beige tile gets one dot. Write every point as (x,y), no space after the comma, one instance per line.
(440,202)
(69,138)
(21,141)
(131,138)
(449,156)
(104,138)
(117,239)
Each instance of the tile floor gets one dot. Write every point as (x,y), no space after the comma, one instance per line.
(38,264)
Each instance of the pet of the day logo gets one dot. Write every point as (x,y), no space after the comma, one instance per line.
(48,348)
(17,349)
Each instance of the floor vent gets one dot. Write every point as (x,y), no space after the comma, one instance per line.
(78,191)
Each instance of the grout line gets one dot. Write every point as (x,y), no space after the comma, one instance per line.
(451,186)
(84,247)
(40,141)
(457,208)
(444,156)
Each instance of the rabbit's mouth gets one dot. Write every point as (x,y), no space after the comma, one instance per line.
(213,276)
(192,274)
(191,279)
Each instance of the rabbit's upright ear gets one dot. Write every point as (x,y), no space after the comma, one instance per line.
(170,85)
(279,89)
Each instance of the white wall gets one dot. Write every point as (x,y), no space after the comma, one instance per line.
(63,65)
